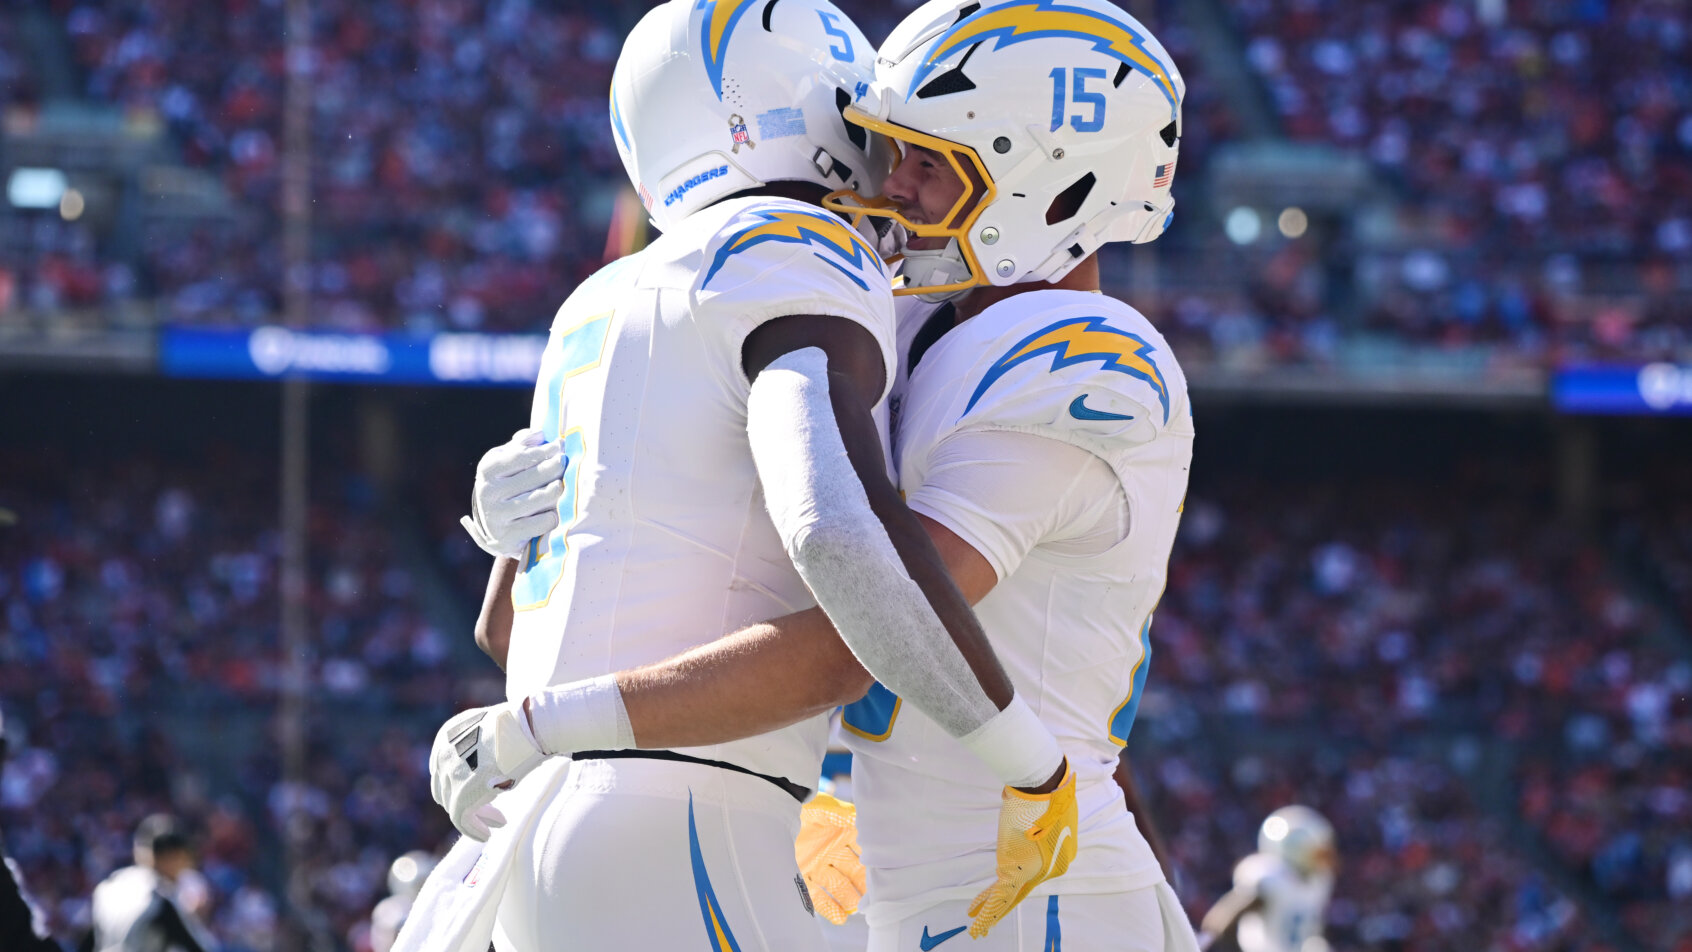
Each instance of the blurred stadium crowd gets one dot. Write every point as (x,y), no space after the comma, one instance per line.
(141,613)
(1473,701)
(1538,155)
(450,161)
(1416,642)
(1544,150)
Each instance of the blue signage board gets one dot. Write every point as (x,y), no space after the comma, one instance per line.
(1652,389)
(262,353)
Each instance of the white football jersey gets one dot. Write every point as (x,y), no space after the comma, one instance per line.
(123,900)
(1294,906)
(118,902)
(663,541)
(1072,631)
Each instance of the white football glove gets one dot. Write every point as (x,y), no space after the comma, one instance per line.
(518,485)
(477,754)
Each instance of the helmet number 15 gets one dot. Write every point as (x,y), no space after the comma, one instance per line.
(1079,95)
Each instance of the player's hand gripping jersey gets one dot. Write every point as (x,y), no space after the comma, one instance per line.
(663,541)
(1062,372)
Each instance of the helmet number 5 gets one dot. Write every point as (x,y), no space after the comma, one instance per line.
(844,54)
(1080,96)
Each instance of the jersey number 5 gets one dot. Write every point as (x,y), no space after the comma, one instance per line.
(571,353)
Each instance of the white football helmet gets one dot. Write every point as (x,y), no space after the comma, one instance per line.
(1062,118)
(712,97)
(1299,836)
(406,874)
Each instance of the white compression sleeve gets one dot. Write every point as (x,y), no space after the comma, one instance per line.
(843,553)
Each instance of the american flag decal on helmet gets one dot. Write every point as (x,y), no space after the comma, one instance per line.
(1162,175)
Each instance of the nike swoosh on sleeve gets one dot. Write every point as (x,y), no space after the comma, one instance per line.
(1057,849)
(1080,411)
(928,942)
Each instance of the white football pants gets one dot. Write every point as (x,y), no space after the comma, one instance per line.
(650,854)
(1144,920)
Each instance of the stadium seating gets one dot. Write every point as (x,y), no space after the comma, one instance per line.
(464,180)
(141,664)
(1373,633)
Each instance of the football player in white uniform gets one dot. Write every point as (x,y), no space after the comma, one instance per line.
(405,880)
(1280,897)
(1044,437)
(712,409)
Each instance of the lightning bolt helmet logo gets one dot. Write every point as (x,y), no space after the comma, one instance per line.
(1043,19)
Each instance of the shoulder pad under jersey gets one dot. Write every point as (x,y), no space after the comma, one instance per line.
(786,254)
(1089,371)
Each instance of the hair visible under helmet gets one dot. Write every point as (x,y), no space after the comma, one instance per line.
(714,97)
(1061,117)
(159,833)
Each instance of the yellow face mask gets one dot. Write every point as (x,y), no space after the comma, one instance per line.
(978,193)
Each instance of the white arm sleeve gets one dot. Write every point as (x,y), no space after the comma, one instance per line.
(843,553)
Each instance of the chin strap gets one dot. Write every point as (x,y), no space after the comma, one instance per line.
(935,267)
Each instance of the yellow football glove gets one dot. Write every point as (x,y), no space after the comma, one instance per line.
(1037,834)
(827,849)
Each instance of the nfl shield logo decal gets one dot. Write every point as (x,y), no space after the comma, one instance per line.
(737,129)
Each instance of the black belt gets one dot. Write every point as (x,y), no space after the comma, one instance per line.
(787,786)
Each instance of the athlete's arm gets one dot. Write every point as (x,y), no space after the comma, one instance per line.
(1222,922)
(493,625)
(771,674)
(971,571)
(753,681)
(514,500)
(864,556)
(1136,805)
(774,673)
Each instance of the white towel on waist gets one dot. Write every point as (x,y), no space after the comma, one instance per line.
(456,909)
(1178,933)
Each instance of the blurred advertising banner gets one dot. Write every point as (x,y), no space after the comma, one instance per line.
(1651,389)
(511,360)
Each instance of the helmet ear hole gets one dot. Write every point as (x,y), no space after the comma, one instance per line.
(858,135)
(1068,202)
(951,81)
(1169,133)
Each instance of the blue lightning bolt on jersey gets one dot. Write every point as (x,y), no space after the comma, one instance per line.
(1073,631)
(663,542)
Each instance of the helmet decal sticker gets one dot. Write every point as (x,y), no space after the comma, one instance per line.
(1044,19)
